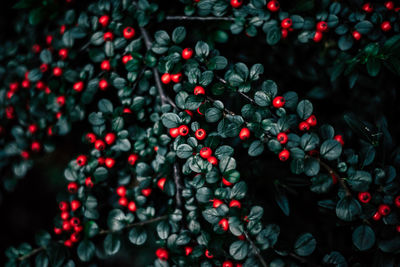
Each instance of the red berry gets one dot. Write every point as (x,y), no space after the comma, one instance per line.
(64,215)
(183,130)
(99,145)
(273,6)
(91,137)
(286,23)
(126,58)
(224,224)
(60,100)
(236,3)
(368,7)
(81,160)
(322,26)
(26,84)
(66,226)
(123,201)
(109,162)
(121,191)
(377,216)
(36,48)
(101,160)
(63,53)
(385,26)
(339,138)
(317,37)
(356,35)
(389,5)
(162,254)
(78,228)
(199,90)
(75,204)
(188,250)
(40,85)
(49,39)
(244,133)
(57,71)
(57,231)
(282,138)
(78,86)
(235,204)
(72,187)
(213,160)
(226,182)
(208,254)
(105,65)
(284,33)
(44,67)
(62,29)
(89,182)
(200,134)
(278,102)
(132,159)
(68,243)
(190,113)
(108,36)
(127,111)
(304,126)
(174,132)
(398,228)
(176,78)
(129,33)
(74,221)
(161,183)
(397,201)
(146,192)
(110,138)
(132,206)
(284,155)
(227,264)
(74,237)
(166,78)
(216,203)
(63,206)
(36,146)
(384,209)
(312,120)
(205,152)
(187,53)
(103,20)
(364,197)
(32,128)
(103,84)
(25,155)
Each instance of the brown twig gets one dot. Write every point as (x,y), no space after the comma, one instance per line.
(177,180)
(149,221)
(30,254)
(255,249)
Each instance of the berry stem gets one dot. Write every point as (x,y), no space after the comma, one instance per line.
(199,18)
(178,185)
(30,254)
(255,249)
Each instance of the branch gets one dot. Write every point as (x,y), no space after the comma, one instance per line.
(177,179)
(30,254)
(149,221)
(256,250)
(164,98)
(199,18)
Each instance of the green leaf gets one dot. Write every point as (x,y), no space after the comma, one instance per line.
(137,236)
(359,181)
(213,115)
(331,149)
(268,236)
(105,106)
(202,49)
(45,56)
(364,27)
(256,148)
(373,66)
(162,38)
(304,109)
(309,141)
(305,245)
(262,99)
(345,42)
(170,120)
(255,71)
(348,209)
(204,195)
(256,213)
(86,250)
(112,244)
(273,35)
(178,35)
(363,237)
(239,249)
(217,63)
(100,174)
(116,220)
(163,229)
(184,151)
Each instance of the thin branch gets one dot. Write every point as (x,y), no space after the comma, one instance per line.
(255,249)
(164,98)
(177,180)
(152,220)
(30,254)
(200,18)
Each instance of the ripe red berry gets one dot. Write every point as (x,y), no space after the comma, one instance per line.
(284,155)
(132,159)
(286,23)
(226,182)
(284,33)
(39,85)
(103,20)
(385,26)
(166,78)
(146,192)
(216,203)
(74,237)
(384,209)
(126,58)
(398,228)
(176,78)
(63,53)
(91,137)
(44,67)
(213,160)
(322,26)
(66,226)
(273,6)
(101,160)
(183,130)
(236,3)
(99,145)
(62,29)
(364,197)
(208,254)
(200,134)
(57,231)
(36,146)
(121,191)
(205,152)
(161,183)
(188,250)
(75,204)
(89,182)
(356,35)
(339,138)
(317,37)
(132,206)
(32,128)
(26,84)
(64,215)
(74,221)
(60,100)
(389,5)
(105,65)
(103,84)
(174,132)
(78,86)
(235,204)
(78,228)
(57,71)
(282,138)
(81,160)
(25,154)
(304,126)
(72,187)
(129,33)
(162,254)
(312,120)
(49,39)
(278,102)
(187,53)
(244,133)
(377,216)
(36,48)
(199,90)
(368,7)
(110,138)
(397,201)
(224,224)
(109,162)
(123,201)
(108,36)
(227,264)
(63,206)
(68,243)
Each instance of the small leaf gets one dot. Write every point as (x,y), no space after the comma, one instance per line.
(305,245)
(363,237)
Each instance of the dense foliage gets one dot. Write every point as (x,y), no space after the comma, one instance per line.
(177,132)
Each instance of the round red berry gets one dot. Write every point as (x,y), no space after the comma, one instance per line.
(339,138)
(132,159)
(183,130)
(110,138)
(278,102)
(81,160)
(216,203)
(103,84)
(397,201)
(286,23)
(162,254)
(367,7)
(89,182)
(208,254)
(389,5)
(161,183)
(176,78)
(57,71)
(205,152)
(244,133)
(126,58)
(317,36)
(200,134)
(377,216)
(78,86)
(109,162)
(129,33)
(104,20)
(63,53)
(72,187)
(364,197)
(356,35)
(146,192)
(235,204)
(273,6)
(282,138)
(213,160)
(123,201)
(199,90)
(105,65)
(227,264)
(385,26)
(91,137)
(121,191)
(224,224)
(304,126)
(312,120)
(384,209)
(322,26)
(226,182)
(284,33)
(166,78)
(284,155)
(132,206)
(108,36)
(99,145)
(236,3)
(187,53)
(188,250)
(174,132)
